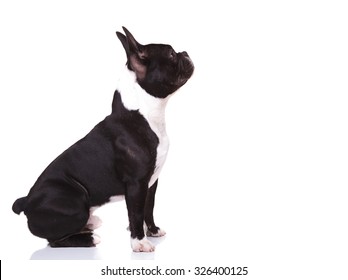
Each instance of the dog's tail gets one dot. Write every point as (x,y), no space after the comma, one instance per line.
(19,205)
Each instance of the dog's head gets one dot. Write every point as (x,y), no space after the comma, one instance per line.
(159,70)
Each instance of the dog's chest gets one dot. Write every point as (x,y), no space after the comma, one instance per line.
(153,110)
(158,127)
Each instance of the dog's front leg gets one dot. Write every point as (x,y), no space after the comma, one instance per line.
(135,199)
(152,229)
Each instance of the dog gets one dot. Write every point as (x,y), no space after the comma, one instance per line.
(120,158)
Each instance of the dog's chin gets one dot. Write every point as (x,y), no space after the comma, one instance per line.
(182,79)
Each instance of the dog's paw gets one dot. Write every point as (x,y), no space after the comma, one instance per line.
(142,245)
(93,222)
(96,239)
(159,233)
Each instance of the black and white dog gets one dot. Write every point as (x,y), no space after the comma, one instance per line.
(121,157)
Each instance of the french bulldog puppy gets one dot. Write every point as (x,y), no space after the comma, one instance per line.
(121,157)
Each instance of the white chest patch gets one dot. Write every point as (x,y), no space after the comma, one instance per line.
(153,110)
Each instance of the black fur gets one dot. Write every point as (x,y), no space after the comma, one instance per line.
(117,157)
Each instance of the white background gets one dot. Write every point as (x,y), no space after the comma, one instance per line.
(257,170)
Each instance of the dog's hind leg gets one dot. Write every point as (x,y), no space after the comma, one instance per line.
(82,239)
(85,238)
(59,213)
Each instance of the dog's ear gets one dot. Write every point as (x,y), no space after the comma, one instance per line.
(123,40)
(136,53)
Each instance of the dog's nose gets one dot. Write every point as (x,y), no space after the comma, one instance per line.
(185,54)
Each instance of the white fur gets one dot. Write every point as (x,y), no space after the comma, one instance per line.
(153,110)
(142,245)
(160,233)
(96,239)
(95,222)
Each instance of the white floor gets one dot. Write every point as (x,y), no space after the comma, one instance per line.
(202,233)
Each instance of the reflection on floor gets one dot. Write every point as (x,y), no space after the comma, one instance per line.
(96,253)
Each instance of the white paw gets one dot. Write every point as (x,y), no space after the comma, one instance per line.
(142,245)
(160,233)
(96,239)
(93,222)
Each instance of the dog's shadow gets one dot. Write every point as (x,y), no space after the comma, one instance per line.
(94,253)
(49,253)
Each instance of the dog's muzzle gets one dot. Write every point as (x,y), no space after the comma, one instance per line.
(186,67)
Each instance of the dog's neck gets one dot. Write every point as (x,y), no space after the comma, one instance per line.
(134,97)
